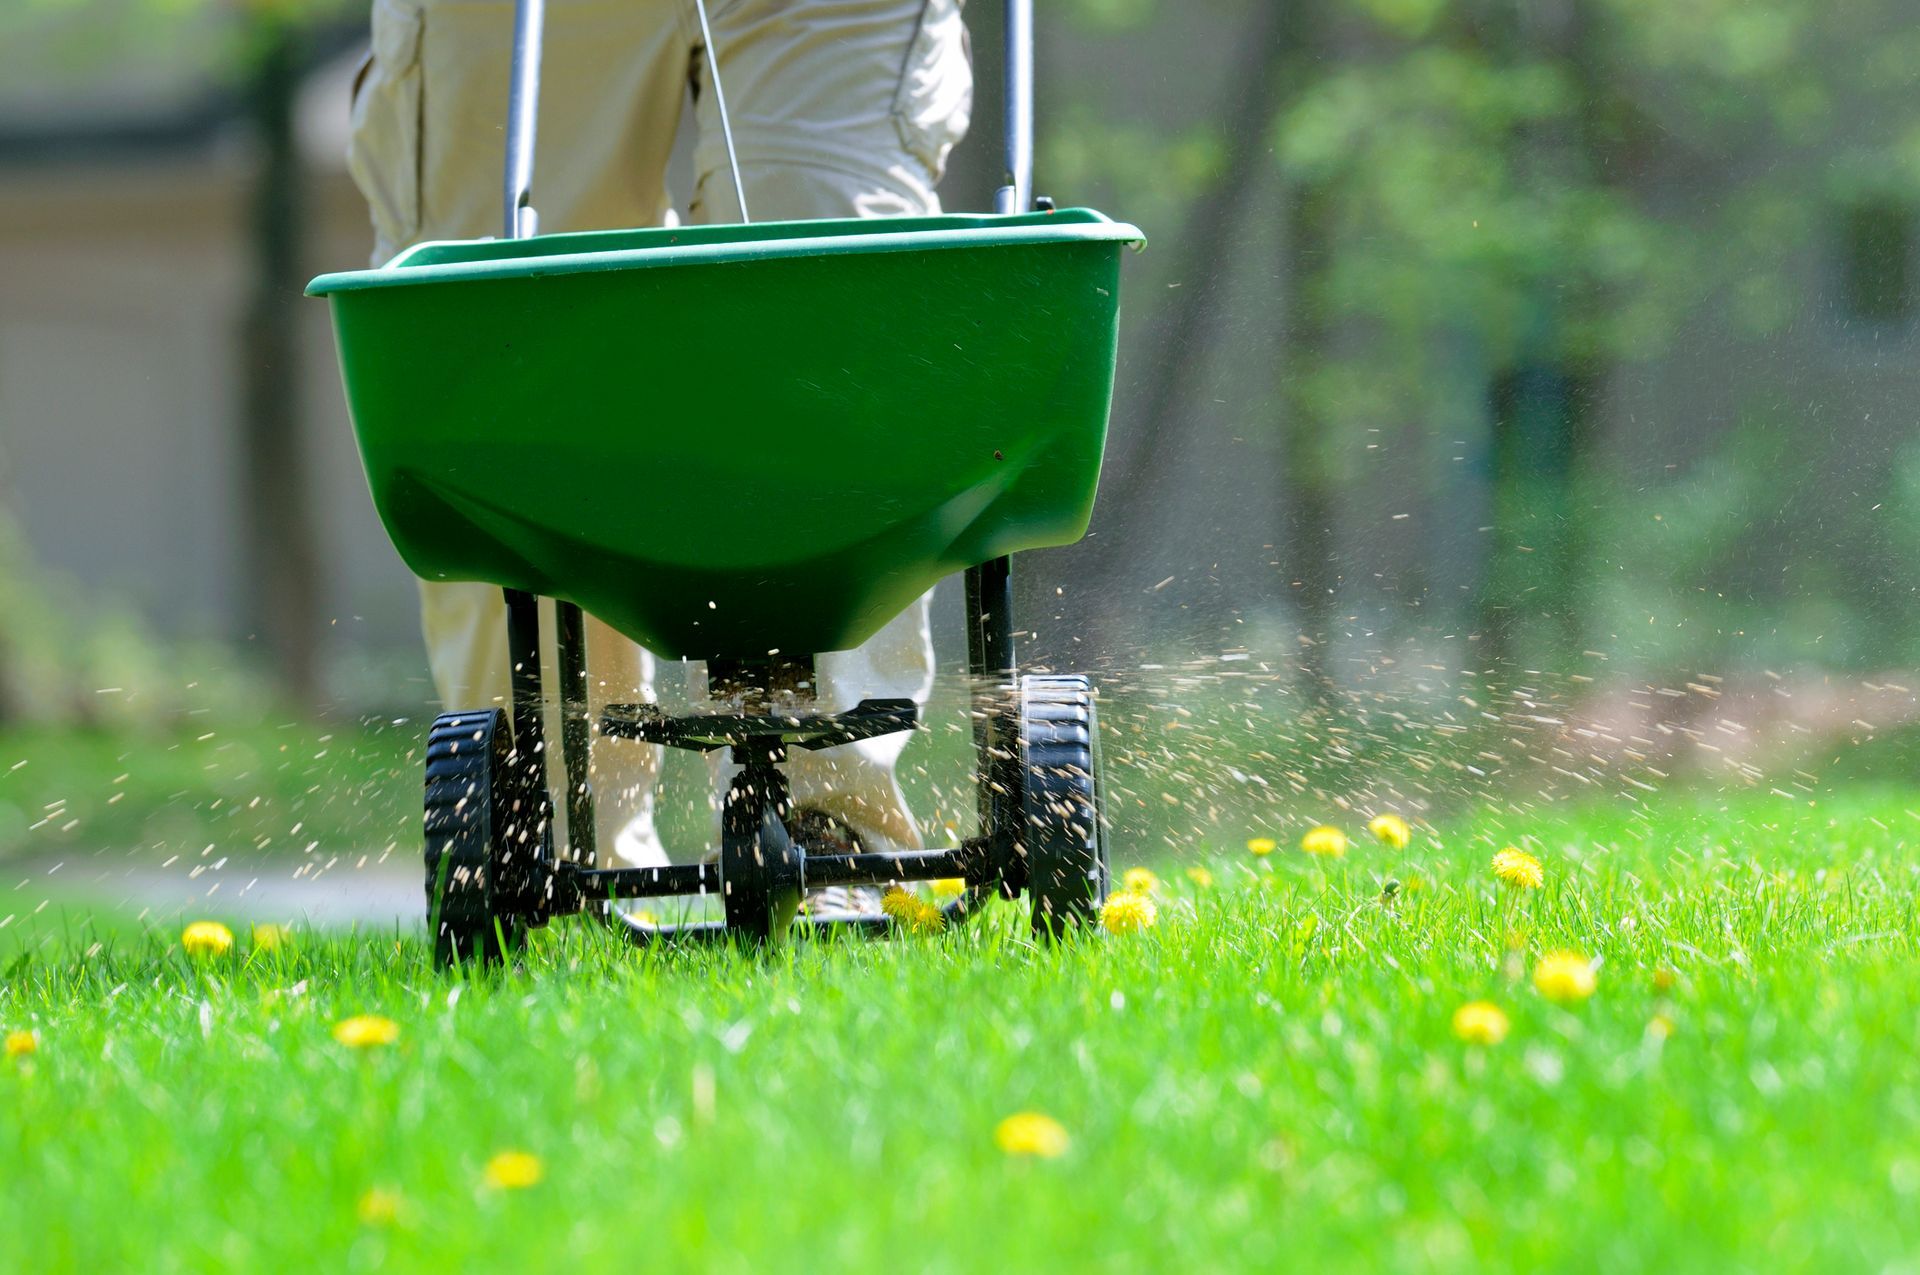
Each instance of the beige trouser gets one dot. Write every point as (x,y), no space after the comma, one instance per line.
(839,108)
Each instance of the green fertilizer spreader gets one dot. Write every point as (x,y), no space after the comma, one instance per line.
(741,444)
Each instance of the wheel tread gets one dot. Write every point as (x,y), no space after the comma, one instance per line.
(465,776)
(1062,837)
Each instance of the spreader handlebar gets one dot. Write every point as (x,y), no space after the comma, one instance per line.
(523,117)
(1016,193)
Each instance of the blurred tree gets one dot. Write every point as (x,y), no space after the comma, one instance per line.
(1309,481)
(1522,205)
(1577,185)
(283,561)
(1455,156)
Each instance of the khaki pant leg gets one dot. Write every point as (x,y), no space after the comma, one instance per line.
(428,141)
(427,148)
(842,110)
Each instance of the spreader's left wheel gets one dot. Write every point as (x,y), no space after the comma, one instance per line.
(481,839)
(1060,826)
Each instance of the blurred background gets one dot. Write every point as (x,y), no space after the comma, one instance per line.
(1517,400)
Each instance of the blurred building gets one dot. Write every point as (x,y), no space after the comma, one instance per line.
(126,190)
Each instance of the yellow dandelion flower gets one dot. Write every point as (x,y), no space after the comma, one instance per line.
(1659,1027)
(1517,868)
(379,1207)
(364,1030)
(1663,980)
(1391,831)
(1030,1133)
(268,937)
(514,1171)
(1564,977)
(1139,881)
(20,1043)
(910,911)
(1480,1023)
(1126,912)
(1325,841)
(1201,878)
(947,889)
(1261,847)
(206,939)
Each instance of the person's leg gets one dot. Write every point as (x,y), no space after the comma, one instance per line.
(465,628)
(427,148)
(840,110)
(428,140)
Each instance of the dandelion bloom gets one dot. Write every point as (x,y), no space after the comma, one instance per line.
(1480,1023)
(1325,841)
(1030,1133)
(1126,912)
(364,1030)
(514,1170)
(1564,977)
(379,1207)
(1139,881)
(947,889)
(910,911)
(22,1042)
(1516,867)
(1659,1027)
(268,937)
(1261,847)
(1391,831)
(1201,877)
(207,938)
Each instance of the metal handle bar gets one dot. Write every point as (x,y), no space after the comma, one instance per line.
(1016,194)
(523,116)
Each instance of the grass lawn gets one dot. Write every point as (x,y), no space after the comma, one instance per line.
(1268,1079)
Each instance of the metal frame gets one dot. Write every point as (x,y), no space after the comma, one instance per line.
(755,844)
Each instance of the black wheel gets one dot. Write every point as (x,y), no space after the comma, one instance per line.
(482,839)
(1060,826)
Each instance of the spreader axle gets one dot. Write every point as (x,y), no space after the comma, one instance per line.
(574,886)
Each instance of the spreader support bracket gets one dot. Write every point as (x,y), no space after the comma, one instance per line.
(704,732)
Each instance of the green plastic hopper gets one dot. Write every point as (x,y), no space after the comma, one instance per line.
(726,440)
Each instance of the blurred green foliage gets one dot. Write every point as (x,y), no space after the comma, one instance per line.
(1515,212)
(49,43)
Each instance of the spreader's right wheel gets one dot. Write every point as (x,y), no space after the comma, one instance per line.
(481,839)
(1066,849)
